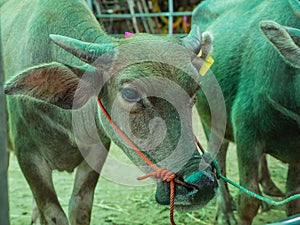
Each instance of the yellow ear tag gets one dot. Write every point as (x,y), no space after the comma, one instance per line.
(208,61)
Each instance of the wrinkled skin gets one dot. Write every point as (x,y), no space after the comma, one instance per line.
(51,94)
(260,84)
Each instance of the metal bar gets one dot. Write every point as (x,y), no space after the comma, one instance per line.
(4,209)
(170,21)
(148,18)
(90,4)
(292,220)
(131,10)
(140,8)
(126,15)
(97,6)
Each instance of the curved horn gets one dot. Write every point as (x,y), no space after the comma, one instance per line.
(193,40)
(295,5)
(85,51)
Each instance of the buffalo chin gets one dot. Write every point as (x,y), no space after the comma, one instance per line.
(206,187)
(185,208)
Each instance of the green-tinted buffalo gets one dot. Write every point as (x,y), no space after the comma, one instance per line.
(260,82)
(54,120)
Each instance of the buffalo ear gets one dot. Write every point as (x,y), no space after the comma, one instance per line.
(53,83)
(206,45)
(285,40)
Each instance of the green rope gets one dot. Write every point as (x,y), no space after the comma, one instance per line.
(252,194)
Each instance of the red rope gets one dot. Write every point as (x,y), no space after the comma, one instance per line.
(159,173)
(167,176)
(124,136)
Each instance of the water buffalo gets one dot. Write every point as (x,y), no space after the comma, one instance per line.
(260,82)
(54,120)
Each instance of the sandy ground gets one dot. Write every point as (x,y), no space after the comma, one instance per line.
(119,204)
(116,203)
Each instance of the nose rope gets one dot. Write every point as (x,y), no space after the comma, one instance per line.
(170,177)
(167,176)
(219,175)
(159,173)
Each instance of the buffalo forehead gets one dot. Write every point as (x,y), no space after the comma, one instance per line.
(149,74)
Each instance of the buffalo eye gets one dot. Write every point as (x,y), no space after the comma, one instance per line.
(130,94)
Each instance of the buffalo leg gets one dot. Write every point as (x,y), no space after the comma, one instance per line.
(225,203)
(269,188)
(39,176)
(293,187)
(80,205)
(35,216)
(248,161)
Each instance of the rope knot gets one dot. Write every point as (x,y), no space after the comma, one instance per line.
(160,173)
(170,177)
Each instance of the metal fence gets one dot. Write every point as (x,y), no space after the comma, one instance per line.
(150,16)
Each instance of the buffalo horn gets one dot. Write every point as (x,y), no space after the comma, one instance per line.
(85,51)
(193,40)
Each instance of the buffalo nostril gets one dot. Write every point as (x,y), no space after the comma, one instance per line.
(204,186)
(193,190)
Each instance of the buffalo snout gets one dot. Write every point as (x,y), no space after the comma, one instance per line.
(202,187)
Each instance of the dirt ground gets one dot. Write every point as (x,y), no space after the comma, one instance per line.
(115,203)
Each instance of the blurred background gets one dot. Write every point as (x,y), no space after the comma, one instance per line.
(148,16)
